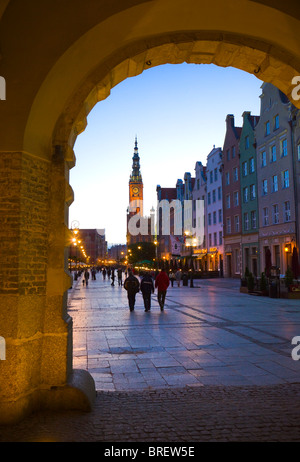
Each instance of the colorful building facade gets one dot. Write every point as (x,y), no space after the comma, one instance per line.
(276,179)
(232,211)
(249,193)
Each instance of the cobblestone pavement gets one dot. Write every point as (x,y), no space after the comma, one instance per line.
(214,366)
(190,415)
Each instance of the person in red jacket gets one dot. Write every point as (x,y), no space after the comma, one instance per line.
(162,282)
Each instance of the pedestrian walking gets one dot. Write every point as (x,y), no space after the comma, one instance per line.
(120,277)
(178,277)
(104,274)
(147,288)
(172,278)
(185,279)
(113,276)
(86,277)
(132,285)
(162,283)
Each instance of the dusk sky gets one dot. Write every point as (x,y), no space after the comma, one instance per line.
(178,114)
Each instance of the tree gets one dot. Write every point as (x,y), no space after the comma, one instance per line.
(289,277)
(263,282)
(141,252)
(250,282)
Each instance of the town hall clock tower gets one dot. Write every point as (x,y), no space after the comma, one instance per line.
(136,184)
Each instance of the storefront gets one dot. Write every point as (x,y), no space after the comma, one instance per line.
(281,248)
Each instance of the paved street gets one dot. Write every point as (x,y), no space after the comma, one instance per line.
(216,365)
(207,335)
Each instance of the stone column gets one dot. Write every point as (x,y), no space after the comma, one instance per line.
(37,372)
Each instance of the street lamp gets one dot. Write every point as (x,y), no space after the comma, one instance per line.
(190,244)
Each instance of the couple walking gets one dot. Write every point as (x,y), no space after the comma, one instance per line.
(132,285)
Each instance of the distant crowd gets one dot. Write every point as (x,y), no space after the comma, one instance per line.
(146,284)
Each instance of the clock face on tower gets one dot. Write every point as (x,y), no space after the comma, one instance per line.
(135,191)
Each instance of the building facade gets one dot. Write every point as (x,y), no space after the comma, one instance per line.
(139,228)
(275,178)
(199,193)
(232,210)
(94,244)
(214,211)
(295,123)
(164,241)
(249,192)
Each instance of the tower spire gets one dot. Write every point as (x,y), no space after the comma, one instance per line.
(136,173)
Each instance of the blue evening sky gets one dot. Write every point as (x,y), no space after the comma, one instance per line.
(177,112)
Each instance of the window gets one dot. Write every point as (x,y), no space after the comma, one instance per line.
(275,214)
(235,174)
(220,238)
(245,169)
(214,218)
(228,225)
(220,215)
(287,211)
(233,152)
(211,177)
(247,142)
(198,183)
(253,219)
(284,151)
(228,154)
(274,183)
(263,159)
(277,255)
(273,153)
(236,223)
(298,151)
(227,178)
(267,128)
(209,240)
(215,239)
(245,195)
(246,221)
(276,122)
(209,219)
(266,216)
(251,165)
(236,198)
(285,179)
(208,198)
(252,192)
(214,196)
(264,187)
(216,174)
(219,193)
(228,201)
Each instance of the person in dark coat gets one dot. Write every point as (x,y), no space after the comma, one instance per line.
(132,285)
(120,276)
(113,276)
(86,277)
(147,288)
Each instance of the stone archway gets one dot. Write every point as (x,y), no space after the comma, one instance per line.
(36,152)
